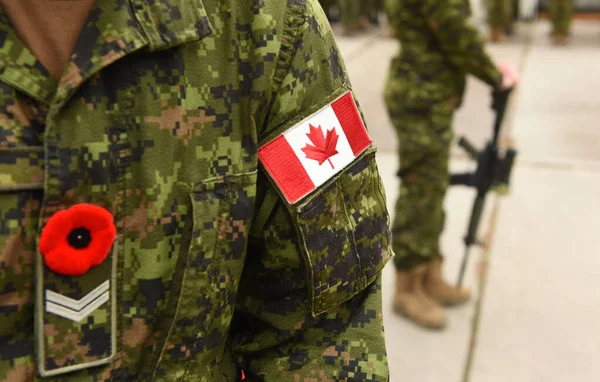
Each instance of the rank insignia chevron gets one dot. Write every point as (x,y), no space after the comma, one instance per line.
(77,310)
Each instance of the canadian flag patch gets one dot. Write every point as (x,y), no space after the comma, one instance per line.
(310,153)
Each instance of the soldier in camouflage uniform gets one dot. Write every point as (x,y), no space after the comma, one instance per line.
(372,9)
(561,14)
(500,18)
(156,121)
(425,85)
(357,15)
(327,5)
(352,16)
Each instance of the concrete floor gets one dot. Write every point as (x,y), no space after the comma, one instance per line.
(534,316)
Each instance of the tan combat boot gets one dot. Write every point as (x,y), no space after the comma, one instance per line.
(497,35)
(412,302)
(388,32)
(560,39)
(439,290)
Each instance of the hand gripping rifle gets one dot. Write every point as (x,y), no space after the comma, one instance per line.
(492,171)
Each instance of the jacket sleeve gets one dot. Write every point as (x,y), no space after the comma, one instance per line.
(309,302)
(459,39)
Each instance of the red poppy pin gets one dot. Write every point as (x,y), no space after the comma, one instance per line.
(77,239)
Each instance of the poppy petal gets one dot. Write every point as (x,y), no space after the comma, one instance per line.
(56,230)
(67,261)
(101,245)
(59,254)
(92,217)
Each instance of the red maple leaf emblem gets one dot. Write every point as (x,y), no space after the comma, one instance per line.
(323,147)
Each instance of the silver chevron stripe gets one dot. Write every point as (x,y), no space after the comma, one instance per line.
(77,310)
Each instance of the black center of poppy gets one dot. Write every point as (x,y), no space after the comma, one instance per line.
(79,238)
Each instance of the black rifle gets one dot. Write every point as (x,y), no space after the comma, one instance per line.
(493,170)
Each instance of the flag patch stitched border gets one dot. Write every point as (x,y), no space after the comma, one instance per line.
(314,150)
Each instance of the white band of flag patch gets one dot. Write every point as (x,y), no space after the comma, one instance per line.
(310,153)
(77,310)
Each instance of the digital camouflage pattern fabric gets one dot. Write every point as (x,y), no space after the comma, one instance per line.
(158,118)
(500,13)
(425,84)
(561,15)
(350,13)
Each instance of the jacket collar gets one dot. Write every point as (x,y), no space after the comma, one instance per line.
(19,68)
(114,29)
(167,23)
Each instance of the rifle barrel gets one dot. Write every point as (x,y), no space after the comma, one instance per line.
(463,267)
(475,219)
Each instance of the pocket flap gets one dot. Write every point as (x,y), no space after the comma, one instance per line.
(345,236)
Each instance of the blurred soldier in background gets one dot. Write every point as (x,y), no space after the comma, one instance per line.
(356,16)
(351,15)
(372,9)
(327,6)
(561,13)
(500,18)
(425,85)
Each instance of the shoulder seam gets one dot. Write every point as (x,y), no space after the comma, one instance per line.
(294,18)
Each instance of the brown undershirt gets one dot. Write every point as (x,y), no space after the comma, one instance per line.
(49,28)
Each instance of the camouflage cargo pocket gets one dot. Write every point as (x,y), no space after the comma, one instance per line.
(21,192)
(345,234)
(222,209)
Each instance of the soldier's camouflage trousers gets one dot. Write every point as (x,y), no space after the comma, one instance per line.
(372,7)
(424,146)
(561,13)
(350,12)
(500,13)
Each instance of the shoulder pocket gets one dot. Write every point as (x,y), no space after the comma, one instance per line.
(344,231)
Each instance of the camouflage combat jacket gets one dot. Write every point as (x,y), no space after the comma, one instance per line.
(438,48)
(158,118)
